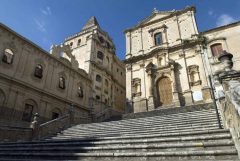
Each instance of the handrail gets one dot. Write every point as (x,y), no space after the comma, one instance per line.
(55,120)
(103,112)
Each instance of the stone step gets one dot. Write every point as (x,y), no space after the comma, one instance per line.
(156,123)
(160,125)
(170,118)
(189,146)
(146,124)
(169,111)
(142,135)
(77,135)
(132,156)
(146,136)
(152,130)
(111,142)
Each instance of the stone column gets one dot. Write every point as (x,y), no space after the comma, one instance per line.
(151,75)
(176,100)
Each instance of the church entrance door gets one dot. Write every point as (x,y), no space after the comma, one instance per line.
(165,91)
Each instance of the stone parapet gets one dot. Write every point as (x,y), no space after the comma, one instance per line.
(230,108)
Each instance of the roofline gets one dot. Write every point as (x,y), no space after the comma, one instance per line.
(178,12)
(222,27)
(84,74)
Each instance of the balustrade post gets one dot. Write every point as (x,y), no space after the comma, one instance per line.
(35,126)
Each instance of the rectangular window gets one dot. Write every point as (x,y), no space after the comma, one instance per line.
(158,38)
(216,49)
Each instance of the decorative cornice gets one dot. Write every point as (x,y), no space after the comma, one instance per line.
(166,49)
(171,14)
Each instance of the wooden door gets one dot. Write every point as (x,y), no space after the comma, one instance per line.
(165,91)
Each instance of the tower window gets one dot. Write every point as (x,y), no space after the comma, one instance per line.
(101,39)
(97,97)
(216,49)
(79,41)
(62,83)
(38,71)
(158,38)
(100,55)
(98,78)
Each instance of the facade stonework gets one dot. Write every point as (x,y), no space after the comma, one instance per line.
(83,77)
(31,82)
(168,60)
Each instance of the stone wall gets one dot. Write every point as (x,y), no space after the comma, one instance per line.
(14,133)
(230,109)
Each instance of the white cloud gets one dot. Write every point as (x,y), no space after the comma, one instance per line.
(210,13)
(46,11)
(225,19)
(40,25)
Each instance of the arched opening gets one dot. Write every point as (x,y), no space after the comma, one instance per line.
(56,113)
(2,98)
(61,83)
(165,91)
(8,56)
(38,71)
(30,107)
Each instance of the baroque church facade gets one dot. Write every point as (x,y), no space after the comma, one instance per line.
(83,75)
(168,61)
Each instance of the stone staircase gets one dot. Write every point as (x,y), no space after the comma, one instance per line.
(190,135)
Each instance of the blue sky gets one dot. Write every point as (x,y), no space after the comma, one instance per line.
(47,22)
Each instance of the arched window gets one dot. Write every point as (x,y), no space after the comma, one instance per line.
(71,43)
(38,71)
(80,91)
(62,83)
(98,78)
(27,113)
(160,61)
(136,87)
(216,49)
(194,77)
(98,97)
(158,38)
(101,39)
(8,56)
(79,41)
(108,45)
(100,55)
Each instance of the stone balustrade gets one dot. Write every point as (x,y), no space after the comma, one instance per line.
(230,108)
